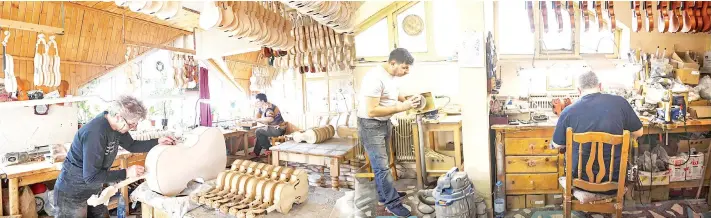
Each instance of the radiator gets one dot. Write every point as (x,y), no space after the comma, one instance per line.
(401,139)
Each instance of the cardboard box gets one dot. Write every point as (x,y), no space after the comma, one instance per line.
(677,169)
(515,202)
(695,166)
(554,199)
(701,145)
(688,75)
(535,201)
(683,60)
(656,178)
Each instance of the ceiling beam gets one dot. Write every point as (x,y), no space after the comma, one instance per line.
(67,62)
(13,24)
(163,47)
(184,32)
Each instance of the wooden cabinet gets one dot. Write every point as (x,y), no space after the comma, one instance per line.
(525,164)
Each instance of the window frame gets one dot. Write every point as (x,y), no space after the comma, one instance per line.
(539,53)
(390,13)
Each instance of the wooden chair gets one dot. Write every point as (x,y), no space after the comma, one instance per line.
(595,181)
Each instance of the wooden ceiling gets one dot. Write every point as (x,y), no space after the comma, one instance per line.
(186,19)
(93,39)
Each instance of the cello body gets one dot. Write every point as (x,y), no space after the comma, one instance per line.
(169,168)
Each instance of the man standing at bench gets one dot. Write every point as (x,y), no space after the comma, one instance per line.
(380,99)
(596,112)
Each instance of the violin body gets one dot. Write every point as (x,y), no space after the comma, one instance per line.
(169,168)
(636,16)
(663,8)
(22,88)
(612,24)
(706,16)
(676,21)
(571,12)
(699,18)
(649,16)
(544,15)
(598,13)
(558,15)
(584,13)
(688,19)
(529,9)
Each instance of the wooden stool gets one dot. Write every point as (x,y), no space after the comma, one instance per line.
(370,174)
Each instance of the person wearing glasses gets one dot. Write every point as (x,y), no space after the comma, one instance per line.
(88,163)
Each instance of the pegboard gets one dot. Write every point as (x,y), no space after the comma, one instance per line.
(22,130)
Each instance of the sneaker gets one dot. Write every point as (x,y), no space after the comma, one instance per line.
(401,194)
(399,210)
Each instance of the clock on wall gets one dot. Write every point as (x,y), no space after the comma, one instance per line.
(413,25)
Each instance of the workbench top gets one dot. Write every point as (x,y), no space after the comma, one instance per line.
(335,147)
(645,123)
(20,170)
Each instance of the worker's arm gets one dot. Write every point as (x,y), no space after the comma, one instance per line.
(93,156)
(559,137)
(374,109)
(134,146)
(632,121)
(268,118)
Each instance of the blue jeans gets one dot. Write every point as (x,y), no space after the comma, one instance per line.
(375,135)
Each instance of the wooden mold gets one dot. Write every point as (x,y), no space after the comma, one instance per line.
(250,189)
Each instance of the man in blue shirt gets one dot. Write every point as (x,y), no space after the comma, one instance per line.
(596,112)
(93,151)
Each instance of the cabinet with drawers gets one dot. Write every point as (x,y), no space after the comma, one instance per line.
(525,164)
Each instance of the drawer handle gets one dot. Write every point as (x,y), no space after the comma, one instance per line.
(531,163)
(531,147)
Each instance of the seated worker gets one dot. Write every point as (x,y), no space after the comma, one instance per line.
(271,124)
(596,112)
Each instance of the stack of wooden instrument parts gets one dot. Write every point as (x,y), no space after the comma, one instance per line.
(263,23)
(338,15)
(249,189)
(262,77)
(161,9)
(319,48)
(185,69)
(315,135)
(46,67)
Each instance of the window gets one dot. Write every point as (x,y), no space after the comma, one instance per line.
(373,42)
(555,39)
(513,32)
(384,32)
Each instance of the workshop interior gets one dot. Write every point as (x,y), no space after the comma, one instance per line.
(355,109)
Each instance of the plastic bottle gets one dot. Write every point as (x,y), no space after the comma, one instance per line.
(499,200)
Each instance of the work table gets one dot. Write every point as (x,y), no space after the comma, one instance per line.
(529,169)
(36,172)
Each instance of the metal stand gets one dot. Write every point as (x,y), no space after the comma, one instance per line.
(421,145)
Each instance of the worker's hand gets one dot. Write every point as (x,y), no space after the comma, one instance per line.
(405,105)
(135,171)
(168,140)
(416,100)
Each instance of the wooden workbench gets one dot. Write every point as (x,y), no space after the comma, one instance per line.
(329,153)
(228,134)
(446,124)
(32,173)
(526,165)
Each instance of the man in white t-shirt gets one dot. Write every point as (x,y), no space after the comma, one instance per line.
(380,99)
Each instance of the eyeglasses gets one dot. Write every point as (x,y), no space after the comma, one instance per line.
(130,125)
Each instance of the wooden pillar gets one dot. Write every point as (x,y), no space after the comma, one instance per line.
(14,197)
(275,158)
(458,148)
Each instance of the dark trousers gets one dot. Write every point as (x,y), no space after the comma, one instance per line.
(263,135)
(71,193)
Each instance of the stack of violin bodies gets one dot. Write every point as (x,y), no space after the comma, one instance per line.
(673,16)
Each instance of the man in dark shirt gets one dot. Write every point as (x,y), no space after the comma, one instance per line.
(271,124)
(92,153)
(596,112)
